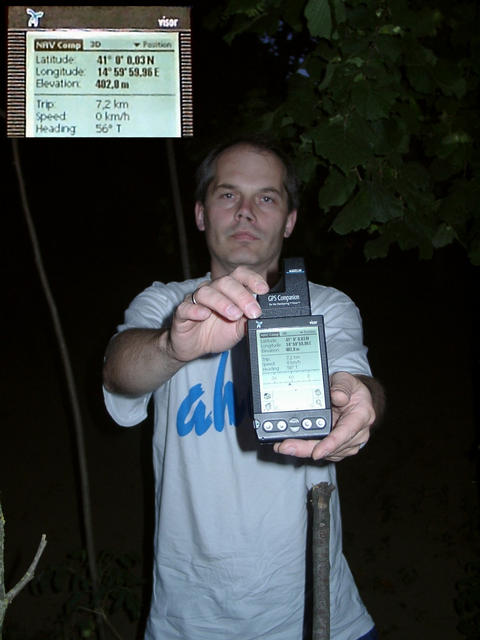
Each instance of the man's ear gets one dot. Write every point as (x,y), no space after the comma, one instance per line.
(199,216)
(290,224)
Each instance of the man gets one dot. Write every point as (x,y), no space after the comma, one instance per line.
(231,516)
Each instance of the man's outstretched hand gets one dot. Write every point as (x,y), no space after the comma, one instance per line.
(138,361)
(357,402)
(217,319)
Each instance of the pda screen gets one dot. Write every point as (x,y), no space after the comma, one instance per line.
(290,369)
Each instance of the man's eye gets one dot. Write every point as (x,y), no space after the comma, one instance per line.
(227,196)
(267,199)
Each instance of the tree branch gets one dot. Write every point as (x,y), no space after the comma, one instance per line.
(29,574)
(6,598)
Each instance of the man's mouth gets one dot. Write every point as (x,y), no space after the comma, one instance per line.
(243,236)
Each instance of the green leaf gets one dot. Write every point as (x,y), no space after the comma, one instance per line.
(474,254)
(319,18)
(355,47)
(357,61)
(266,120)
(457,137)
(461,204)
(420,78)
(345,142)
(372,203)
(372,101)
(416,177)
(426,22)
(444,235)
(391,30)
(331,67)
(358,214)
(416,232)
(448,76)
(250,8)
(132,605)
(339,11)
(292,14)
(301,91)
(390,137)
(390,47)
(337,189)
(411,115)
(305,167)
(378,247)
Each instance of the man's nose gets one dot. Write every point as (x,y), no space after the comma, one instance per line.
(245,209)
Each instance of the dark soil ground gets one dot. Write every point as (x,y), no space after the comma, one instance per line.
(409,498)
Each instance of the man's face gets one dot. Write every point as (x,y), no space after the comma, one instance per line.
(245,216)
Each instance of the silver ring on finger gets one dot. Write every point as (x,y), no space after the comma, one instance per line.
(193,297)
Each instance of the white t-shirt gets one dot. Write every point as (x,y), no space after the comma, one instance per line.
(231,515)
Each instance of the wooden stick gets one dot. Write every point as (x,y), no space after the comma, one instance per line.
(321,560)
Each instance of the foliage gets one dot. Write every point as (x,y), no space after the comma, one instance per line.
(467,602)
(378,102)
(119,590)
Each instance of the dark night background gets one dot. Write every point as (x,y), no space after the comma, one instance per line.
(104,216)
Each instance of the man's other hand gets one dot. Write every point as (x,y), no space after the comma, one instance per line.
(353,416)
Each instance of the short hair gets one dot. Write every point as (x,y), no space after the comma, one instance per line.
(205,172)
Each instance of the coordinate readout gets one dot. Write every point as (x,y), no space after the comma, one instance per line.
(93,83)
(291,375)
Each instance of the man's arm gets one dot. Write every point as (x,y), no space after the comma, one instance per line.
(358,402)
(138,361)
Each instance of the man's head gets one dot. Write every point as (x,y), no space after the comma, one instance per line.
(206,169)
(246,204)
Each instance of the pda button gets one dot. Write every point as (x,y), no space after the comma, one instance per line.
(281,425)
(268,426)
(320,422)
(306,423)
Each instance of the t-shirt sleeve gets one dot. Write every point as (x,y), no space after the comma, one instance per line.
(127,412)
(343,330)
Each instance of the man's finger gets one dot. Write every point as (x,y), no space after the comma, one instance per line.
(342,384)
(296,447)
(232,296)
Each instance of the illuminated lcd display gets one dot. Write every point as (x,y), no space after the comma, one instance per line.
(121,80)
(290,369)
(129,78)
